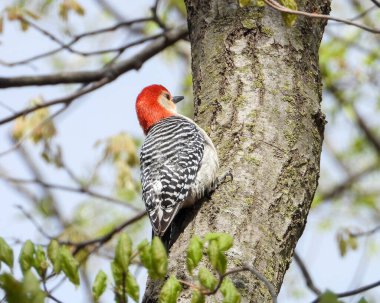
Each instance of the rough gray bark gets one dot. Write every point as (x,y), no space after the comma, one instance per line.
(257,91)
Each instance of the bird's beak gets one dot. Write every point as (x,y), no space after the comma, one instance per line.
(176,99)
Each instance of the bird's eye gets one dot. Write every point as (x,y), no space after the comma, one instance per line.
(167,96)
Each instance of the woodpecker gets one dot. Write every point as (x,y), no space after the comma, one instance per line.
(178,160)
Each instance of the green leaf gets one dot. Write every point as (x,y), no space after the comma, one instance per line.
(132,287)
(117,273)
(229,291)
(99,285)
(170,291)
(146,257)
(6,253)
(194,253)
(244,3)
(27,291)
(12,288)
(31,289)
(217,259)
(40,263)
(54,255)
(362,300)
(352,242)
(1,24)
(197,297)
(26,256)
(342,245)
(207,279)
(123,251)
(159,258)
(225,241)
(328,297)
(69,266)
(289,19)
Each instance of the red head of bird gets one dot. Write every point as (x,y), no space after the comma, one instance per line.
(153,104)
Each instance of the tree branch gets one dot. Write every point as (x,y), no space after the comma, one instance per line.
(377,3)
(135,62)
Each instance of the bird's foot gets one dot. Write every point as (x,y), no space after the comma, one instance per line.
(224,178)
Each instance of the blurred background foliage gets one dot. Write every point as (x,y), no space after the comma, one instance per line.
(346,206)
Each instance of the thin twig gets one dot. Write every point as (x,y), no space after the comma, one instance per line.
(284,9)
(30,132)
(365,233)
(255,272)
(353,292)
(34,222)
(309,281)
(135,62)
(48,293)
(346,184)
(38,174)
(104,239)
(80,190)
(75,40)
(64,100)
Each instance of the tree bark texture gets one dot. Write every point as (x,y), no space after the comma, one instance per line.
(257,88)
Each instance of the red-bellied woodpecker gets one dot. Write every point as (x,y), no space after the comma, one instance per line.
(178,160)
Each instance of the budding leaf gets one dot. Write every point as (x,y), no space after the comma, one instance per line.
(1,24)
(26,291)
(117,273)
(225,241)
(159,258)
(289,19)
(207,279)
(100,285)
(229,291)
(146,257)
(197,297)
(132,287)
(170,291)
(26,256)
(342,245)
(69,265)
(244,3)
(328,297)
(31,289)
(6,253)
(258,3)
(123,251)
(194,253)
(40,263)
(352,242)
(217,259)
(54,255)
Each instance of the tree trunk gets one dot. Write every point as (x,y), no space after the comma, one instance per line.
(257,90)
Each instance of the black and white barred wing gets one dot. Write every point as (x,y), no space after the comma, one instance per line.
(170,159)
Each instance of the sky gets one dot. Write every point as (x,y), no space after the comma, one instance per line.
(110,110)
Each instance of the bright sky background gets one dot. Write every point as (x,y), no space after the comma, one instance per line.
(110,110)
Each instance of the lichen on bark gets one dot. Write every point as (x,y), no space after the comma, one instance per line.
(257,90)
